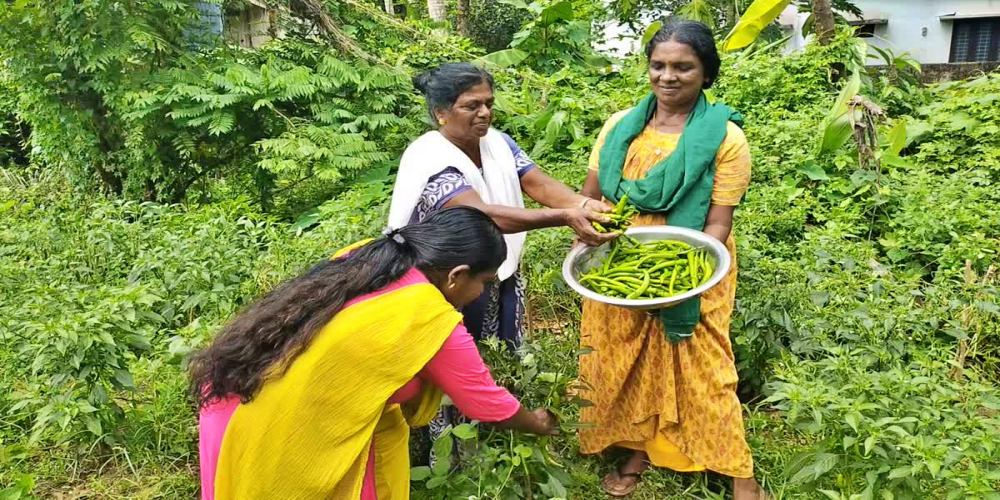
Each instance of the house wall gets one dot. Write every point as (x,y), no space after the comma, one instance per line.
(250,26)
(908,20)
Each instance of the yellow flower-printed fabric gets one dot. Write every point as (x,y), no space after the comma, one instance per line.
(675,401)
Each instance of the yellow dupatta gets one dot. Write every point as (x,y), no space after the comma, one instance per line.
(307,433)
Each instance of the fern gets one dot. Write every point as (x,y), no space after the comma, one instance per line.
(293,84)
(318,150)
(221,123)
(340,70)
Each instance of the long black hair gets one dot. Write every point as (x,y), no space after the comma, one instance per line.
(264,339)
(442,85)
(695,35)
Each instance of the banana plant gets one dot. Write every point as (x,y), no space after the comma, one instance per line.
(760,14)
(837,126)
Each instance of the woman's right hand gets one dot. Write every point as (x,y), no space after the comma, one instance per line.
(580,221)
(546,423)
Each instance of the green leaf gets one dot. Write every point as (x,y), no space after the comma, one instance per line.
(934,467)
(813,171)
(221,123)
(895,161)
(559,11)
(899,472)
(897,137)
(443,447)
(849,90)
(518,4)
(12,493)
(823,463)
(93,424)
(760,14)
(464,431)
(124,379)
(554,488)
(555,127)
(504,58)
(917,129)
(898,430)
(961,121)
(702,11)
(849,441)
(869,444)
(436,482)
(852,420)
(835,134)
(836,127)
(307,220)
(651,32)
(420,473)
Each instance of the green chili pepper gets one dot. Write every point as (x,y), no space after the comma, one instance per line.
(642,288)
(673,279)
(634,269)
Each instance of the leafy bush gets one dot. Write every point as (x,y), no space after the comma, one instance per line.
(90,289)
(493,24)
(71,83)
(866,332)
(900,426)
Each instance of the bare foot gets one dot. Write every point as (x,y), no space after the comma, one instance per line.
(748,489)
(622,481)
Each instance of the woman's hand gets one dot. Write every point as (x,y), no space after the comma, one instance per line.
(540,422)
(546,423)
(597,205)
(580,221)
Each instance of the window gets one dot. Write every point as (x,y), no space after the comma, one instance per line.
(865,28)
(975,40)
(865,31)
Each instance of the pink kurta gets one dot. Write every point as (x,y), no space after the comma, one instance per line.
(457,369)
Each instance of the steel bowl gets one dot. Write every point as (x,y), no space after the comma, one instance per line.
(582,258)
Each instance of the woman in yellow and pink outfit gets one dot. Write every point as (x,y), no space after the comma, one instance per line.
(311,391)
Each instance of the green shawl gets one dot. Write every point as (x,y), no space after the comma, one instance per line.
(679,186)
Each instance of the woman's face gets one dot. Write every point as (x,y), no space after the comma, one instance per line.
(462,286)
(471,115)
(676,74)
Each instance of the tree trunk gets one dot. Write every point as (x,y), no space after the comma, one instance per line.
(389,7)
(823,19)
(437,9)
(462,17)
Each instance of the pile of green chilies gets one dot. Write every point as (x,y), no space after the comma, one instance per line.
(650,270)
(619,219)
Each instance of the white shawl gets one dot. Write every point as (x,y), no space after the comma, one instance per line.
(497,184)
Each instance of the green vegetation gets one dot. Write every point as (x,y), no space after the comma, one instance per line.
(151,187)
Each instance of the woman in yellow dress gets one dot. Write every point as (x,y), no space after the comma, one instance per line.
(664,384)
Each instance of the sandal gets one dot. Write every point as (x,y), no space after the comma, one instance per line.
(618,475)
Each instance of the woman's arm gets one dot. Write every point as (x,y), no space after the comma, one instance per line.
(591,186)
(554,194)
(719,222)
(515,220)
(732,176)
(459,371)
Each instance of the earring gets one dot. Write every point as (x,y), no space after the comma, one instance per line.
(442,122)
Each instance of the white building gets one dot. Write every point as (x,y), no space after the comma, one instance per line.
(932,32)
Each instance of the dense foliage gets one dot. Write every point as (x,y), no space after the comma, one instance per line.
(867,331)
